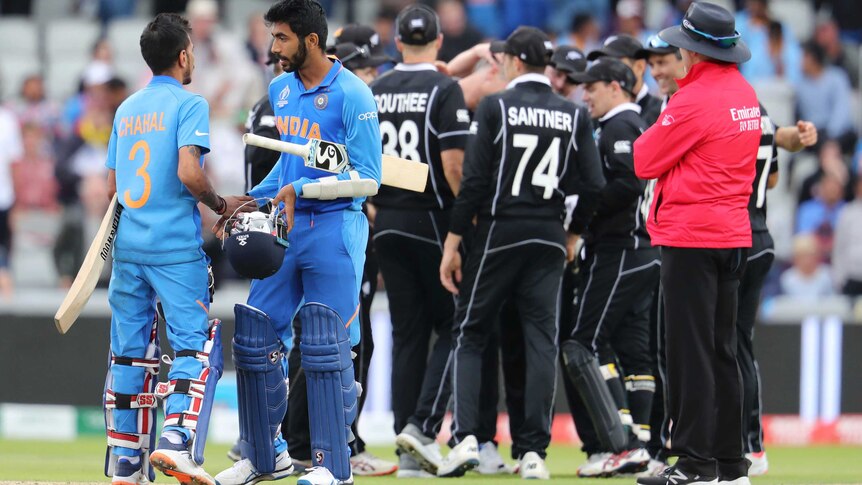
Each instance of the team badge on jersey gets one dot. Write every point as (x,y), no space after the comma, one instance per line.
(282,97)
(320,101)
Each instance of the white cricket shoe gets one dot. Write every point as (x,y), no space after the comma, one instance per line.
(532,466)
(759,464)
(594,466)
(319,475)
(463,457)
(244,473)
(179,464)
(653,469)
(631,461)
(127,473)
(367,465)
(738,481)
(424,450)
(490,461)
(408,467)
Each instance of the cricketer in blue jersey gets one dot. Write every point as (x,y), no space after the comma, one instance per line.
(321,274)
(155,160)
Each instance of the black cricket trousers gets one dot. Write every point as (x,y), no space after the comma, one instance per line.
(703,381)
(510,259)
(759,263)
(409,245)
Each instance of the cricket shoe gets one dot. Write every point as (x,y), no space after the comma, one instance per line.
(423,449)
(300,466)
(127,473)
(532,466)
(462,458)
(595,465)
(319,475)
(759,464)
(408,467)
(653,468)
(490,461)
(367,465)
(244,473)
(738,481)
(174,460)
(631,461)
(234,454)
(675,476)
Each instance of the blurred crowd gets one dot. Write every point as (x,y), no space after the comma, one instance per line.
(805,64)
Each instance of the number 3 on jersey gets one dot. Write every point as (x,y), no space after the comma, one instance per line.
(401,143)
(143,146)
(545,174)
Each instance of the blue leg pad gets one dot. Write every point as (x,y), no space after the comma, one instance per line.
(213,371)
(262,392)
(326,360)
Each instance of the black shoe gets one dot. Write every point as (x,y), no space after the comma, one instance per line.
(675,476)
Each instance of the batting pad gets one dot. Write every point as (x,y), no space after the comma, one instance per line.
(137,436)
(262,392)
(326,360)
(583,369)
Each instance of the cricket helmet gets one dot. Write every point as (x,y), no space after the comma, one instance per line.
(254,247)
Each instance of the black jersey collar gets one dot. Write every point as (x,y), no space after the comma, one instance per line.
(421,66)
(619,109)
(642,93)
(530,77)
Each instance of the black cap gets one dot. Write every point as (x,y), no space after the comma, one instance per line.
(710,30)
(655,45)
(361,35)
(417,24)
(529,44)
(356,57)
(568,59)
(608,70)
(617,46)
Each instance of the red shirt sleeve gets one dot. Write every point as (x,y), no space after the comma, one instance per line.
(663,145)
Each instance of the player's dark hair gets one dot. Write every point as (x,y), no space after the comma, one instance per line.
(162,41)
(580,21)
(303,16)
(816,52)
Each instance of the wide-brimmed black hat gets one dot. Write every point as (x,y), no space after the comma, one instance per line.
(529,44)
(710,30)
(608,69)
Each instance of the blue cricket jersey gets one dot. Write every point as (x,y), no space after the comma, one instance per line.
(160,223)
(341,109)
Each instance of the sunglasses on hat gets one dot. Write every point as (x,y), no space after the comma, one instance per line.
(723,42)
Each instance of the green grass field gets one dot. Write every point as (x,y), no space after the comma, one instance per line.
(81,461)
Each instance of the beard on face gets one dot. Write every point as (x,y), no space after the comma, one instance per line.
(187,75)
(298,59)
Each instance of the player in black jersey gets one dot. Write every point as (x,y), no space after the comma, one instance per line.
(666,66)
(423,118)
(625,48)
(619,274)
(531,147)
(791,138)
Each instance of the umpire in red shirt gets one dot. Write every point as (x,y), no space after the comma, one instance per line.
(702,151)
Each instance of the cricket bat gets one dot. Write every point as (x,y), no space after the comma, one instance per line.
(87,277)
(332,157)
